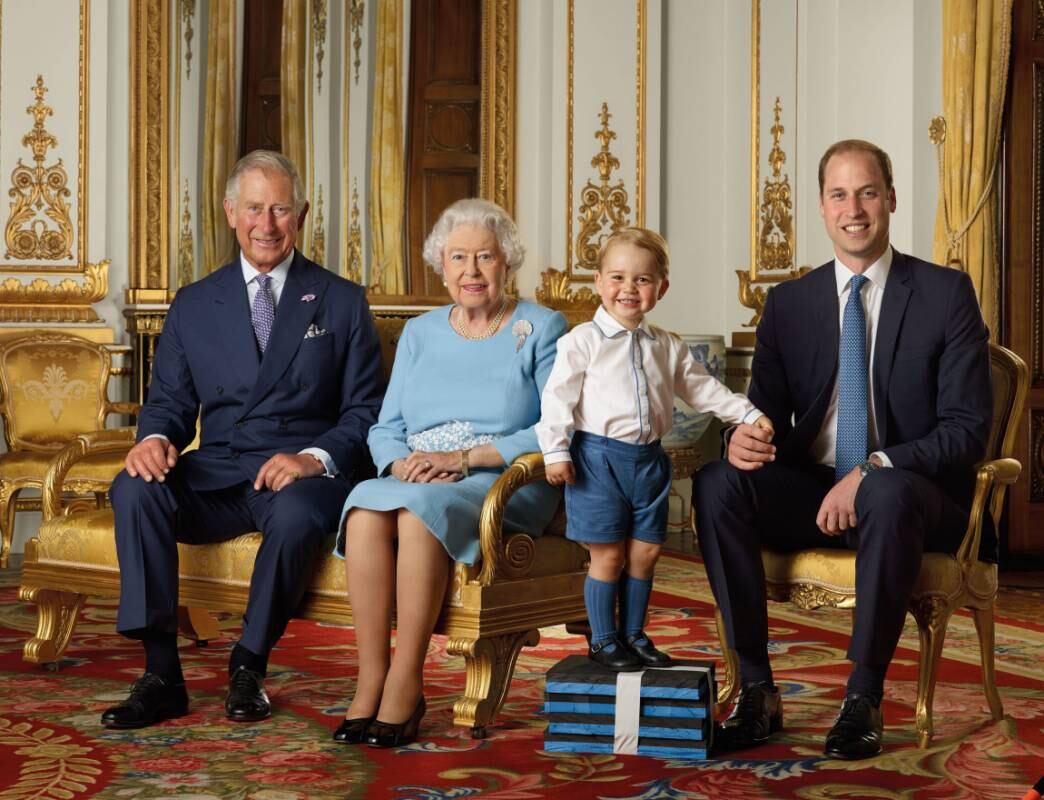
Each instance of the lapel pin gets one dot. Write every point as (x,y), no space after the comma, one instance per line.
(307,298)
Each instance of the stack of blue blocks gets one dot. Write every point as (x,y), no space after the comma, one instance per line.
(674,717)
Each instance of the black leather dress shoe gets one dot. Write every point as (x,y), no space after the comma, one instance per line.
(858,729)
(615,655)
(642,646)
(152,699)
(396,734)
(757,715)
(352,731)
(247,701)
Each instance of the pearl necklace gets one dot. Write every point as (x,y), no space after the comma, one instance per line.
(461,328)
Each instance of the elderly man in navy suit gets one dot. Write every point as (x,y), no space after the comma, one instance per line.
(875,371)
(280,362)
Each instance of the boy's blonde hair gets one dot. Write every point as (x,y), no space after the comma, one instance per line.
(643,238)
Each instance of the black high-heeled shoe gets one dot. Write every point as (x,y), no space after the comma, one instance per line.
(398,734)
(353,731)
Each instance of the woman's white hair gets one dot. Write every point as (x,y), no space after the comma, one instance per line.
(267,161)
(474,211)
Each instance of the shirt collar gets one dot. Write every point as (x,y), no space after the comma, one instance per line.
(278,274)
(876,273)
(610,328)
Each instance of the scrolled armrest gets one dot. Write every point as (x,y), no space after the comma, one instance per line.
(110,440)
(130,409)
(525,469)
(1003,471)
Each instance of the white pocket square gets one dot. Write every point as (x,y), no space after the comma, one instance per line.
(314,331)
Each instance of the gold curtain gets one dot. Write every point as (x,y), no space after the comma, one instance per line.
(976,46)
(220,128)
(293,75)
(387,194)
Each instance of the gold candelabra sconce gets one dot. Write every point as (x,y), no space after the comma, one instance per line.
(604,208)
(319,32)
(186,259)
(774,246)
(355,248)
(39,190)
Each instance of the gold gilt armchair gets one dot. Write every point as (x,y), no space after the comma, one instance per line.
(826,577)
(52,388)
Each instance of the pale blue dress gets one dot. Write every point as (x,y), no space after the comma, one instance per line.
(448,393)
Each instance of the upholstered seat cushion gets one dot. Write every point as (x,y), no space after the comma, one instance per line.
(28,466)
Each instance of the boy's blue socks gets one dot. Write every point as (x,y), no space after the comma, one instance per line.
(634,602)
(600,599)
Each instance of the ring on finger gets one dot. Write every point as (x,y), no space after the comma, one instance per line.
(427,465)
(295,475)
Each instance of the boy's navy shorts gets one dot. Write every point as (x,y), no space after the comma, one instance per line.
(621,490)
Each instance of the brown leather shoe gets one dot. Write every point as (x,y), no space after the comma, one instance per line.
(757,715)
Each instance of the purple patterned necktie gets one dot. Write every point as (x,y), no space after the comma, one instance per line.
(262,314)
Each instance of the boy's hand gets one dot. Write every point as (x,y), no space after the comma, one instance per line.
(765,424)
(559,473)
(750,446)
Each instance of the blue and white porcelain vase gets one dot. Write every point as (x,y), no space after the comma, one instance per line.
(689,426)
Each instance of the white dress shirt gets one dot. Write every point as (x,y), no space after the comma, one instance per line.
(824,448)
(621,384)
(278,275)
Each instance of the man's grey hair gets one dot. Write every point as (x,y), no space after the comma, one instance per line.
(483,213)
(267,161)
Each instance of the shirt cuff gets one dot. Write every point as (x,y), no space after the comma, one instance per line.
(324,457)
(162,436)
(752,416)
(885,460)
(557,457)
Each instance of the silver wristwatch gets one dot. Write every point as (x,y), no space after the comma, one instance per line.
(867,467)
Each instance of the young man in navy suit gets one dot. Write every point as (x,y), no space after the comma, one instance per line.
(280,362)
(875,371)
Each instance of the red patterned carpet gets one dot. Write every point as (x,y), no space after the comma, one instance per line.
(51,745)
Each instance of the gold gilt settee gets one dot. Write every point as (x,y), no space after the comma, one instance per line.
(491,609)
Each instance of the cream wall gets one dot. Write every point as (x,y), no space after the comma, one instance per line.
(851,70)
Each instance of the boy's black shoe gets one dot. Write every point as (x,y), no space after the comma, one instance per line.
(643,647)
(615,655)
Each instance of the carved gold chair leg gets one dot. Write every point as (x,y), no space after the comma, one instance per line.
(730,680)
(56,615)
(490,663)
(932,615)
(197,624)
(984,627)
(8,508)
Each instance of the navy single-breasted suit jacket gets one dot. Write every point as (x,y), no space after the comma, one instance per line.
(933,399)
(320,391)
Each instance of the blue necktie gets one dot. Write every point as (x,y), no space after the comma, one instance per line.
(262,313)
(852,380)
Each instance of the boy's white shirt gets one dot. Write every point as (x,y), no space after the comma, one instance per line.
(621,384)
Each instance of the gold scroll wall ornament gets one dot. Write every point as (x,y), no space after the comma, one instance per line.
(603,205)
(39,189)
(188,11)
(355,248)
(356,12)
(577,305)
(39,300)
(773,251)
(186,259)
(319,32)
(319,232)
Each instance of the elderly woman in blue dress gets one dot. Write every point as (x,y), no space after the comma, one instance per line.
(463,399)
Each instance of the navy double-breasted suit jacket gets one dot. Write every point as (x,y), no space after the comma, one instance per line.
(931,370)
(307,391)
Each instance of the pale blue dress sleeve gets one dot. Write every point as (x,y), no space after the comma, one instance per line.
(387,439)
(544,349)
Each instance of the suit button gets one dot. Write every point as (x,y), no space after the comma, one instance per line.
(238,425)
(304,387)
(221,390)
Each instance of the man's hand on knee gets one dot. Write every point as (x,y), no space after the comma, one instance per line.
(151,459)
(282,469)
(750,447)
(837,512)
